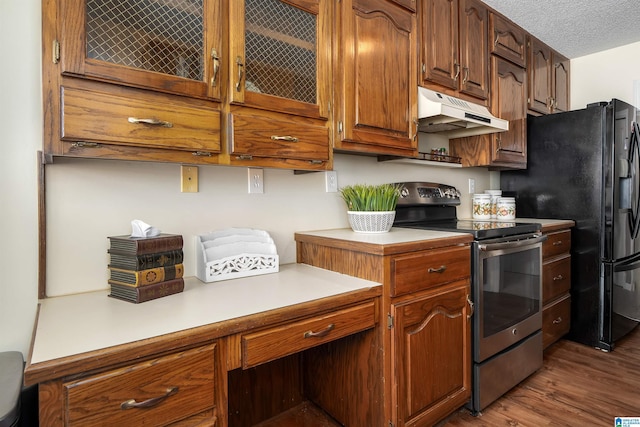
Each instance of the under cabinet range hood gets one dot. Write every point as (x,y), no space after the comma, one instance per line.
(454,117)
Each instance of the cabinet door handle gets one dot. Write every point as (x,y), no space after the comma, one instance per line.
(457,71)
(284,138)
(415,134)
(466,75)
(216,67)
(131,403)
(499,141)
(240,74)
(557,243)
(440,269)
(557,321)
(472,308)
(151,122)
(320,334)
(558,277)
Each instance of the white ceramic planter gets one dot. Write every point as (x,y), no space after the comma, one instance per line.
(371,222)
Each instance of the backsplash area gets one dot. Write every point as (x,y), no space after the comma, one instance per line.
(88,200)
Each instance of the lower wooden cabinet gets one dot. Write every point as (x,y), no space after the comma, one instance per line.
(424,316)
(432,346)
(556,285)
(176,389)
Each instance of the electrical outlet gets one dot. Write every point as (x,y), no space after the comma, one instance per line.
(256,181)
(189,179)
(472,186)
(331,181)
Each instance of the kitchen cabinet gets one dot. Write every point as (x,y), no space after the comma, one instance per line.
(179,387)
(279,86)
(454,47)
(425,307)
(375,67)
(556,284)
(302,350)
(548,73)
(503,150)
(110,71)
(189,81)
(507,40)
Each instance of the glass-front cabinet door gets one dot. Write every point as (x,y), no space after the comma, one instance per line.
(171,46)
(280,55)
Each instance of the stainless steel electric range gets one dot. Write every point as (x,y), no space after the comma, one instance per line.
(506,287)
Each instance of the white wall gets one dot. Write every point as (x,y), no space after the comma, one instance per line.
(20,138)
(614,73)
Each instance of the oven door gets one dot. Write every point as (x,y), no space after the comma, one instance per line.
(507,292)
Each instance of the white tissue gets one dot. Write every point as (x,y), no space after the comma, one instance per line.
(142,229)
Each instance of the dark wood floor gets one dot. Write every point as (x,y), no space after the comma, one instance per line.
(577,386)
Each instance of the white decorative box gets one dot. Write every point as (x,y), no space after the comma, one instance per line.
(235,252)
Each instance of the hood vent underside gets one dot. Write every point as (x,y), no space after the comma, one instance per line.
(454,117)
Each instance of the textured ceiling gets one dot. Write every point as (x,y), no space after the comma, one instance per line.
(576,27)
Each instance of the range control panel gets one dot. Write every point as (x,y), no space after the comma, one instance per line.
(428,193)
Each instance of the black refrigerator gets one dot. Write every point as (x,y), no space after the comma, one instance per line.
(584,165)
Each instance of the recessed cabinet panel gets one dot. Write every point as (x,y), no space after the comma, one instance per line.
(138,119)
(375,95)
(431,338)
(157,392)
(507,40)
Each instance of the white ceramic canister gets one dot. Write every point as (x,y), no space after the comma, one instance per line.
(481,206)
(495,195)
(506,208)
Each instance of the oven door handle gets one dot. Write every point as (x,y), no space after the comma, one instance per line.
(512,244)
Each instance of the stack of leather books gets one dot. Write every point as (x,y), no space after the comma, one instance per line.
(145,268)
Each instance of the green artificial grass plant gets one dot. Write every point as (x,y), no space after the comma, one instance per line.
(363,197)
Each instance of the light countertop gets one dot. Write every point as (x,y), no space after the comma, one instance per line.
(80,323)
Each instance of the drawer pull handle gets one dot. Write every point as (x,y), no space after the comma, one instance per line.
(284,138)
(558,277)
(557,243)
(202,153)
(441,269)
(320,334)
(131,403)
(152,122)
(557,321)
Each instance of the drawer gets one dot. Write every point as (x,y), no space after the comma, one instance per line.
(277,342)
(267,136)
(423,270)
(556,278)
(556,320)
(95,116)
(186,379)
(556,244)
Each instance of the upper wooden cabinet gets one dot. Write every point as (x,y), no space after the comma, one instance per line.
(508,40)
(279,84)
(454,48)
(548,78)
(375,94)
(503,150)
(170,46)
(133,80)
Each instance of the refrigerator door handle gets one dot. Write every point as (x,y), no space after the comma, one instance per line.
(631,264)
(634,149)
